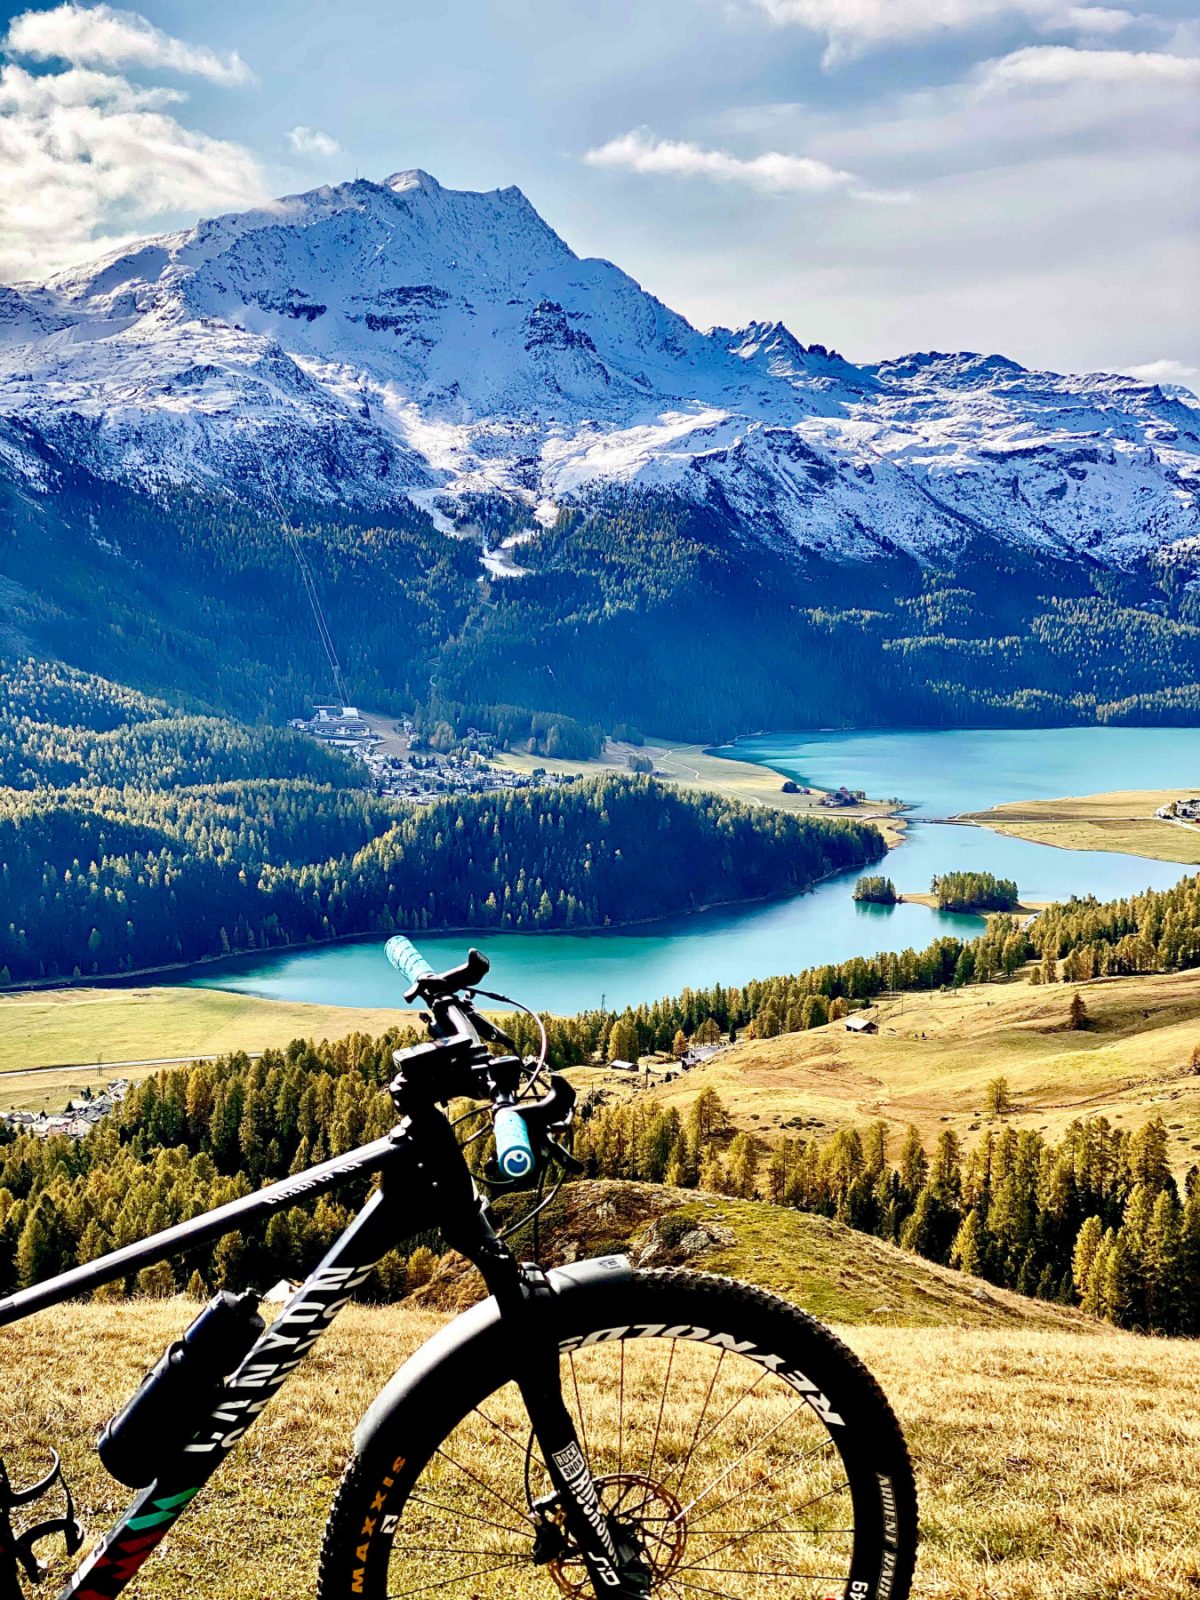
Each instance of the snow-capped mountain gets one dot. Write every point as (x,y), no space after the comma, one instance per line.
(363,343)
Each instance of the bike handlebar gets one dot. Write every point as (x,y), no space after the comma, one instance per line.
(520,1130)
(407,959)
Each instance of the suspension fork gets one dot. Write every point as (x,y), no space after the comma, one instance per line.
(526,1303)
(525,1298)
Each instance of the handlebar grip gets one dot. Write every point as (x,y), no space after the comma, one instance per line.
(407,959)
(514,1151)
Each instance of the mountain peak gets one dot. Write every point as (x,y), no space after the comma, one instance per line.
(376,340)
(413,178)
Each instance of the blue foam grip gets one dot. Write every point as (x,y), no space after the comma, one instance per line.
(406,958)
(514,1153)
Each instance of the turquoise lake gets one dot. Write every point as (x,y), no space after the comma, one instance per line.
(939,773)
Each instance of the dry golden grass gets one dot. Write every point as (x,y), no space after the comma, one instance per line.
(1050,1464)
(934,1054)
(1122,820)
(53,1026)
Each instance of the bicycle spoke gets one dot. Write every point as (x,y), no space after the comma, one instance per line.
(817,1449)
(472,1516)
(583,1440)
(758,1572)
(745,1456)
(486,1487)
(701,1589)
(621,1414)
(691,1450)
(453,1550)
(767,1527)
(522,1450)
(745,1395)
(662,1405)
(462,1577)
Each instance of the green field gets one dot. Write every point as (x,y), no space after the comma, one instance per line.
(61,1028)
(933,1056)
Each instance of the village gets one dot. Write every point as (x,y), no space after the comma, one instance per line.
(83,1113)
(1179,811)
(405,767)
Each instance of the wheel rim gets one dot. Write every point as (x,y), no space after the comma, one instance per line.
(733,1484)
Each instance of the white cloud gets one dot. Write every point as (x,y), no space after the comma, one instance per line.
(312,142)
(99,36)
(1042,66)
(85,154)
(772,172)
(1165,371)
(850,26)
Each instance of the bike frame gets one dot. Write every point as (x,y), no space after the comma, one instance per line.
(424,1184)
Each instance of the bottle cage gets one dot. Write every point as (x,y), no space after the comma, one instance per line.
(16,1548)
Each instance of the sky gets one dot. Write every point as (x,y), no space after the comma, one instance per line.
(1019,176)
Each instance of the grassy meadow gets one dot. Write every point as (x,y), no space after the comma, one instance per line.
(56,1027)
(1051,1462)
(693,766)
(934,1054)
(1121,821)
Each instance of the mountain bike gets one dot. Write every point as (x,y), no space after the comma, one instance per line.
(592,1430)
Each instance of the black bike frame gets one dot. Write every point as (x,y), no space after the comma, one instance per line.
(424,1184)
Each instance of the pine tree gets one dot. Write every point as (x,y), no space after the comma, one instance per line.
(997,1098)
(158,1281)
(969,1251)
(1083,1259)
(742,1166)
(623,1040)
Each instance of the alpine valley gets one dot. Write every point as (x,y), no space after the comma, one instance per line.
(523,485)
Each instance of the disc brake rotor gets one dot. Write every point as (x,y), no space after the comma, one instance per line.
(648,1510)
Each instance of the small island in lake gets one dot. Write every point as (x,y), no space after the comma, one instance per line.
(974,891)
(876,891)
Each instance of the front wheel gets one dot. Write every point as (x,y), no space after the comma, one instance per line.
(749,1453)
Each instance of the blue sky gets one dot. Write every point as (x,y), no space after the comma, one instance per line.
(883,175)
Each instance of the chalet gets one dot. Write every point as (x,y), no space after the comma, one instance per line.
(698,1054)
(623,1066)
(859,1022)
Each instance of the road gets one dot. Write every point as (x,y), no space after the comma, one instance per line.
(115,1066)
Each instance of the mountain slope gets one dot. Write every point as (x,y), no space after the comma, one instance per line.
(371,344)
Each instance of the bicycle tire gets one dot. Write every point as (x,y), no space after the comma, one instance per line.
(797,1369)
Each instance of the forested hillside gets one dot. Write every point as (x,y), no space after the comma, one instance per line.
(1097,1220)
(649,611)
(153,838)
(641,610)
(204,604)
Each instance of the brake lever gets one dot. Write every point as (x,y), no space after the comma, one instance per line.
(570,1162)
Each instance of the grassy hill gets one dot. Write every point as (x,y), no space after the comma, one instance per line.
(60,1028)
(1122,820)
(934,1054)
(1033,1484)
(829,1269)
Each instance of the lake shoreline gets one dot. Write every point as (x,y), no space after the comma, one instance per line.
(128,980)
(567,971)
